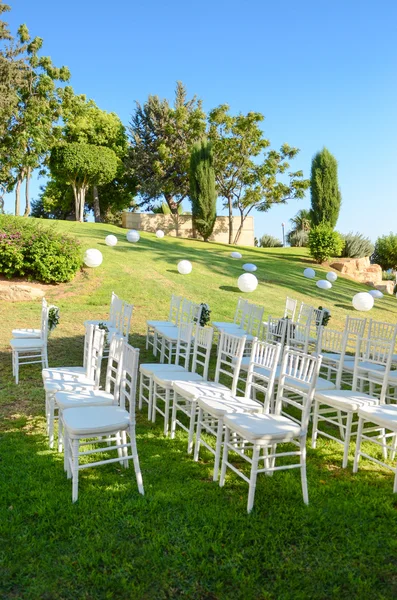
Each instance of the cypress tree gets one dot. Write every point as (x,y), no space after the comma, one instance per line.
(325,193)
(202,188)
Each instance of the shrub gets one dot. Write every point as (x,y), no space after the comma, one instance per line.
(388,275)
(356,246)
(298,239)
(29,249)
(268,241)
(324,242)
(385,252)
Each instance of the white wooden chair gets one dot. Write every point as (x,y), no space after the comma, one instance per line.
(123,325)
(115,312)
(173,320)
(182,359)
(104,425)
(251,324)
(298,335)
(331,344)
(260,380)
(69,372)
(290,308)
(257,437)
(338,407)
(167,337)
(186,393)
(163,380)
(241,316)
(30,351)
(30,333)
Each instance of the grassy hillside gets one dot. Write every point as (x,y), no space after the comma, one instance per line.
(186,538)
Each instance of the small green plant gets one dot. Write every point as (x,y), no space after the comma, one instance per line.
(102,325)
(388,275)
(324,242)
(205,314)
(385,253)
(326,316)
(268,241)
(53,318)
(356,246)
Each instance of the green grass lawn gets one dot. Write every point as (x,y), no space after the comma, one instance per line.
(186,538)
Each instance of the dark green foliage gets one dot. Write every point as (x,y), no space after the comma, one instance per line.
(326,316)
(202,188)
(268,241)
(298,239)
(325,193)
(324,242)
(29,249)
(385,253)
(205,314)
(356,246)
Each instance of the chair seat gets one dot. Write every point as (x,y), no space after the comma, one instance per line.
(63,373)
(67,376)
(160,324)
(168,332)
(27,344)
(262,428)
(333,357)
(224,325)
(26,333)
(348,365)
(191,390)
(150,368)
(384,415)
(85,398)
(95,420)
(67,386)
(219,407)
(93,322)
(346,400)
(163,377)
(322,384)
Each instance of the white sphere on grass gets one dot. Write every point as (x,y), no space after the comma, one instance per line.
(133,236)
(110,240)
(331,276)
(376,294)
(93,257)
(249,267)
(363,301)
(247,282)
(160,234)
(309,273)
(323,284)
(236,255)
(185,267)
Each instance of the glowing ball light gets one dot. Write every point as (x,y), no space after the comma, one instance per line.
(249,267)
(159,234)
(331,276)
(110,240)
(236,255)
(363,301)
(309,273)
(185,267)
(323,284)
(247,282)
(133,236)
(93,257)
(376,294)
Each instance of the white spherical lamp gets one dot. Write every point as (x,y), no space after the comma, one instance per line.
(159,234)
(133,236)
(247,282)
(236,255)
(323,284)
(110,240)
(93,257)
(376,294)
(249,267)
(185,267)
(309,273)
(331,276)
(363,301)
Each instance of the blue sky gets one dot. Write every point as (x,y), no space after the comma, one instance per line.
(321,73)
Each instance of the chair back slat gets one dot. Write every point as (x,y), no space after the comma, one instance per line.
(114,366)
(129,380)
(94,361)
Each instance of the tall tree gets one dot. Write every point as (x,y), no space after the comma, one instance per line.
(247,169)
(161,140)
(326,197)
(203,193)
(82,165)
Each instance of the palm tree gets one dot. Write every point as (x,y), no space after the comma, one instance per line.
(301,221)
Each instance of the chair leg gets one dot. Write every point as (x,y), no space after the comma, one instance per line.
(66,450)
(173,414)
(198,435)
(60,430)
(140,401)
(315,423)
(16,368)
(253,477)
(154,402)
(303,471)
(393,448)
(75,470)
(166,410)
(218,447)
(51,408)
(125,449)
(192,422)
(347,439)
(119,449)
(150,398)
(224,456)
(135,458)
(358,444)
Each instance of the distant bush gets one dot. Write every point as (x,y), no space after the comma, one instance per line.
(324,242)
(268,241)
(298,239)
(388,275)
(356,246)
(385,252)
(29,249)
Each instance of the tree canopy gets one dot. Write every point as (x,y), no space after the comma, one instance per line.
(326,197)
(202,188)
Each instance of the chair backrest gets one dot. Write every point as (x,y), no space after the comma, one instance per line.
(116,309)
(276,330)
(264,355)
(318,316)
(334,342)
(129,378)
(255,321)
(305,313)
(290,308)
(297,384)
(381,330)
(202,350)
(175,306)
(245,315)
(125,321)
(373,352)
(114,366)
(94,360)
(298,335)
(355,326)
(183,344)
(44,322)
(238,314)
(230,354)
(185,311)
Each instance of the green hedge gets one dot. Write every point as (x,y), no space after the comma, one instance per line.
(29,249)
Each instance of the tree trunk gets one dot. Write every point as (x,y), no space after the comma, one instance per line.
(27,202)
(18,195)
(240,228)
(97,208)
(230,207)
(79,202)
